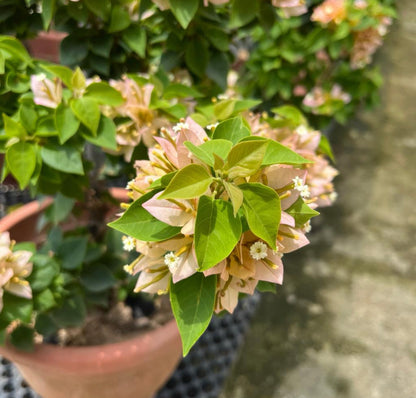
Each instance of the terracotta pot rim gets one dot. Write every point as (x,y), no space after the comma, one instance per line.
(97,359)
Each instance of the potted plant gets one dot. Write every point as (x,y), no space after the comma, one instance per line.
(214,208)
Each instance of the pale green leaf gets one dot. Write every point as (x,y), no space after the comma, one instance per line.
(103,93)
(193,301)
(189,182)
(87,111)
(140,224)
(235,194)
(301,212)
(262,211)
(217,231)
(106,134)
(245,158)
(21,161)
(232,130)
(66,123)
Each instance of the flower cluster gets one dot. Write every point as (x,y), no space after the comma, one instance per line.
(189,170)
(14,268)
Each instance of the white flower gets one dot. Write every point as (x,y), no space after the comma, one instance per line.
(301,187)
(301,130)
(333,196)
(212,126)
(258,250)
(307,227)
(179,126)
(172,262)
(129,243)
(223,97)
(304,192)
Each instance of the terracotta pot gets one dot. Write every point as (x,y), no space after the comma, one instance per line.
(46,45)
(135,368)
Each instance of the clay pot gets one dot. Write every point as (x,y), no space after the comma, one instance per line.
(135,368)
(46,45)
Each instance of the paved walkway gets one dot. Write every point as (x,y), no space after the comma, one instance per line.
(344,323)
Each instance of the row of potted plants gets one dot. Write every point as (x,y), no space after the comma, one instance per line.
(314,54)
(219,186)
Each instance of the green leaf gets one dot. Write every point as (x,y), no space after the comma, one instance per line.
(277,153)
(21,161)
(290,115)
(325,147)
(73,50)
(235,194)
(60,71)
(245,158)
(224,109)
(242,12)
(78,80)
(103,93)
(2,63)
(66,123)
(232,130)
(197,56)
(71,313)
(217,231)
(106,134)
(17,82)
(120,19)
(60,209)
(28,117)
(16,308)
(46,127)
(15,48)
(301,212)
(87,111)
(44,301)
(100,8)
(217,147)
(135,38)
(193,301)
(45,269)
(140,224)
(45,325)
(13,128)
(22,338)
(180,90)
(48,9)
(262,211)
(63,158)
(189,182)
(97,278)
(184,10)
(263,286)
(205,157)
(72,251)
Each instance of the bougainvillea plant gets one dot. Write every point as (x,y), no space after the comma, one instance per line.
(215,209)
(216,203)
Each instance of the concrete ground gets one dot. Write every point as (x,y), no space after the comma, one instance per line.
(344,323)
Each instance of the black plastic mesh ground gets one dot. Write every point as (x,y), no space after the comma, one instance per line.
(200,375)
(10,195)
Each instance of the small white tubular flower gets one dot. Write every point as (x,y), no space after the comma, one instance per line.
(304,192)
(258,250)
(179,126)
(302,130)
(301,187)
(211,126)
(223,97)
(307,227)
(129,243)
(172,262)
(333,196)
